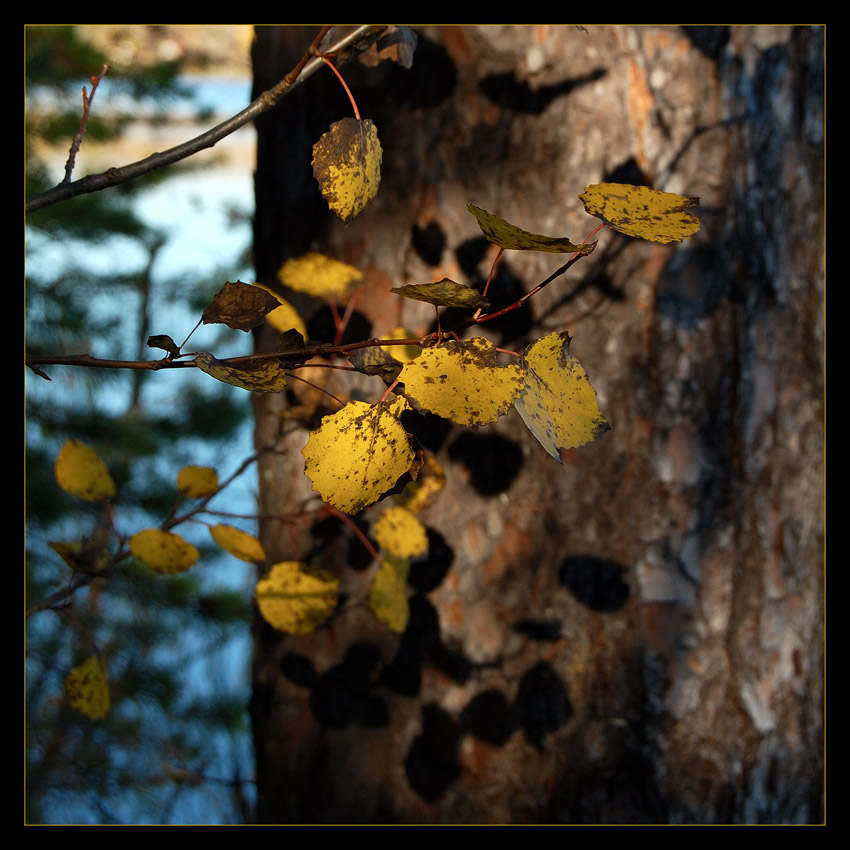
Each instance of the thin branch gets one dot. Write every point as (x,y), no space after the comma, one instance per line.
(78,138)
(307,66)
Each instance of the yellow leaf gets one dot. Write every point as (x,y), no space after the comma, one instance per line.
(295,598)
(358,454)
(197,482)
(163,551)
(402,353)
(418,494)
(263,376)
(446,293)
(641,212)
(88,688)
(400,534)
(318,275)
(558,404)
(388,594)
(285,317)
(347,166)
(238,543)
(461,381)
(80,472)
(505,235)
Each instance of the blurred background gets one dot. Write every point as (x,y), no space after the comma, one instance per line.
(634,635)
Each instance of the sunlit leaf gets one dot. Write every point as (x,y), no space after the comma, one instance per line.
(358,454)
(87,687)
(261,376)
(80,472)
(285,316)
(318,275)
(197,482)
(400,534)
(163,551)
(418,494)
(402,353)
(558,404)
(505,235)
(388,594)
(462,381)
(238,543)
(295,598)
(239,306)
(641,212)
(347,166)
(445,293)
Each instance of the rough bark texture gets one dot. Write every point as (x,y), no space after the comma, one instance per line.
(634,636)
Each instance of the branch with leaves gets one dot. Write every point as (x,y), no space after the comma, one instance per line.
(361,453)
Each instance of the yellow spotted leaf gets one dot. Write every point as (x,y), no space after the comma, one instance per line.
(463,382)
(318,275)
(80,472)
(641,212)
(558,404)
(295,598)
(197,482)
(445,293)
(358,454)
(400,534)
(163,551)
(347,166)
(284,317)
(88,688)
(388,594)
(505,235)
(238,543)
(262,376)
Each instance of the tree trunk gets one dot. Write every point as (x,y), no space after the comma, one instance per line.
(635,635)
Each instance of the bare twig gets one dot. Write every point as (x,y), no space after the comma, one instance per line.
(78,139)
(307,66)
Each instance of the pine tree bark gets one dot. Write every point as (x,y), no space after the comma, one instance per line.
(635,635)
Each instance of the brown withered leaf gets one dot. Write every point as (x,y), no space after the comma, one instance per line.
(240,306)
(292,341)
(165,342)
